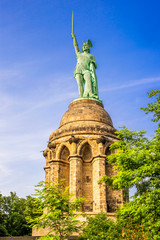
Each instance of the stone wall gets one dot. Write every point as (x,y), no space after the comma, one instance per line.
(30,238)
(20,238)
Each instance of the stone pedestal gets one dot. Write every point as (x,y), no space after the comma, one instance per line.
(77,151)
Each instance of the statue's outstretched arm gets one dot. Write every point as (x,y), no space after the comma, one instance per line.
(75,43)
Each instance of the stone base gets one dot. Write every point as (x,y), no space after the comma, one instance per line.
(87,98)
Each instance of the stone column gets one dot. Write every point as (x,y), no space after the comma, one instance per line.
(46,154)
(73,141)
(99,189)
(47,173)
(75,175)
(55,165)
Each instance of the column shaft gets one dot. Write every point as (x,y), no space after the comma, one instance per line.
(99,189)
(75,175)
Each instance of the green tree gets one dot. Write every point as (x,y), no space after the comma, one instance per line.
(60,209)
(14,214)
(137,160)
(101,228)
(33,208)
(3,217)
(12,209)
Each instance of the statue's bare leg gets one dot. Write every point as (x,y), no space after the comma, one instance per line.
(88,85)
(79,79)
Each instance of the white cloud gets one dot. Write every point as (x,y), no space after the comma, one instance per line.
(5,171)
(8,73)
(132,84)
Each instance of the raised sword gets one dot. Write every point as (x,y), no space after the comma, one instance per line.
(72,25)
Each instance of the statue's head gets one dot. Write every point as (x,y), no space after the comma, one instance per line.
(86,46)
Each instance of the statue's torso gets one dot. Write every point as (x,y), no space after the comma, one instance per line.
(83,62)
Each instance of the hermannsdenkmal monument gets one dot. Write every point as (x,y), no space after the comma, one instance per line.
(85,73)
(77,151)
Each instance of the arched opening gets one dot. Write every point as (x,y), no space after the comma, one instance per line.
(64,166)
(86,152)
(64,154)
(87,180)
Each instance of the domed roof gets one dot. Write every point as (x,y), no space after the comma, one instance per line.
(84,116)
(86,110)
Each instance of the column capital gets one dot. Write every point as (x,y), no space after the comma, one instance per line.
(74,156)
(101,139)
(46,167)
(58,161)
(45,152)
(51,145)
(73,139)
(99,156)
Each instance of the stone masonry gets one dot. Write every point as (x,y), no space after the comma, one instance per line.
(77,151)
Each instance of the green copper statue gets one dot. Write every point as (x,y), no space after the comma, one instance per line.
(85,69)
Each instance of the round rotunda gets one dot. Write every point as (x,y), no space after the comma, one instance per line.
(77,152)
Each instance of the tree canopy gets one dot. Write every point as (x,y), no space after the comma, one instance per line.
(137,160)
(14,212)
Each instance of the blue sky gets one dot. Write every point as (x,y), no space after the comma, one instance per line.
(37,62)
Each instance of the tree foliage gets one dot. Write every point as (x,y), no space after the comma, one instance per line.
(50,237)
(60,209)
(14,212)
(137,160)
(153,107)
(100,228)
